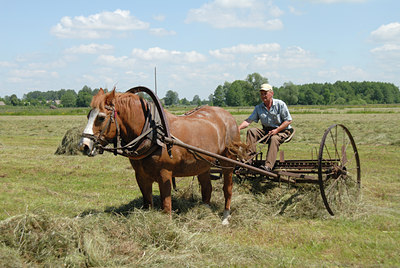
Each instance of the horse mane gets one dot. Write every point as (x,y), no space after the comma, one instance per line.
(114,98)
(126,99)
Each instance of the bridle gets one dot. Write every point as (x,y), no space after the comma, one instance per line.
(153,133)
(99,140)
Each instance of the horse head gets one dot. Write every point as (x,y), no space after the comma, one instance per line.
(102,126)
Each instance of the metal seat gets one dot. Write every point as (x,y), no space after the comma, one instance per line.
(291,136)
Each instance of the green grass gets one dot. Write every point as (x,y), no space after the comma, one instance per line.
(79,211)
(27,110)
(178,110)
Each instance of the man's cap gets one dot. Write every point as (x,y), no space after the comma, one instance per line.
(266,87)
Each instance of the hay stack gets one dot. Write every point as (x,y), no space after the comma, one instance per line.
(69,144)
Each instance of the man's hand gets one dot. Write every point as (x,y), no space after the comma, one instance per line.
(273,132)
(283,126)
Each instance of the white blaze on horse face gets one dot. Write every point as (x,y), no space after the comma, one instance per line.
(92,118)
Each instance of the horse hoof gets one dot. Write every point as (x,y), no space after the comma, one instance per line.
(226,217)
(207,206)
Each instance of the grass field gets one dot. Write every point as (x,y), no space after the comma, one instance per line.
(77,211)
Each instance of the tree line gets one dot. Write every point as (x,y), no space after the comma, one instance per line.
(60,98)
(239,93)
(245,93)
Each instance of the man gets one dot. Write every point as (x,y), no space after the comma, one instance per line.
(275,119)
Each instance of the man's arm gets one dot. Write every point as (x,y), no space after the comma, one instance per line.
(283,126)
(244,124)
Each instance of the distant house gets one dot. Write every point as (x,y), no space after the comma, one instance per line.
(56,102)
(2,103)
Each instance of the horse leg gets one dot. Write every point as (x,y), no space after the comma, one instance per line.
(206,187)
(146,187)
(165,185)
(228,185)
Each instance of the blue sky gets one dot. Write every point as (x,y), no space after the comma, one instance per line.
(195,45)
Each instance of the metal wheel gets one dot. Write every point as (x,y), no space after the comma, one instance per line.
(339,173)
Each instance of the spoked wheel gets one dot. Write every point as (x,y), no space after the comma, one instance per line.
(339,173)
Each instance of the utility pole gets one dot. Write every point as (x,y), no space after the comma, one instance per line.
(155,80)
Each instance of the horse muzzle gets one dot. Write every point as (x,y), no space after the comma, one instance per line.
(86,146)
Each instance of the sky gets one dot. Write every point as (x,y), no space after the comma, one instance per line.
(196,45)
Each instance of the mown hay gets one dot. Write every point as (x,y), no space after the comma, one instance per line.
(194,236)
(69,144)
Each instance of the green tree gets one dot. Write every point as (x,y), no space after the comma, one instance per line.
(84,97)
(219,96)
(14,101)
(196,100)
(236,94)
(210,99)
(288,93)
(69,99)
(184,101)
(171,98)
(253,95)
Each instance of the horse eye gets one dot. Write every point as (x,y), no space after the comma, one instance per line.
(101,117)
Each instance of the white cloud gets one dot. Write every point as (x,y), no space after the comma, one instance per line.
(7,64)
(122,62)
(156,53)
(294,11)
(99,25)
(161,32)
(229,53)
(387,48)
(22,73)
(235,3)
(344,73)
(159,17)
(336,1)
(387,33)
(89,49)
(27,75)
(290,58)
(387,56)
(238,14)
(246,48)
(297,57)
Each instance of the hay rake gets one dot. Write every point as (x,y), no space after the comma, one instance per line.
(336,170)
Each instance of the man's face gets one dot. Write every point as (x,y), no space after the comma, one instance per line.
(266,96)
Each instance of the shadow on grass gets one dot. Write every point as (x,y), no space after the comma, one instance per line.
(180,205)
(279,197)
(293,200)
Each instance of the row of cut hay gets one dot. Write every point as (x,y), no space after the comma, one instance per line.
(140,237)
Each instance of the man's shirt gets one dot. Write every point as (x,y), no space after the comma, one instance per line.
(278,113)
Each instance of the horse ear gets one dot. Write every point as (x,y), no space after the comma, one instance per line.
(101,92)
(110,98)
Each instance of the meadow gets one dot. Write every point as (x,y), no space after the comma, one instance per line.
(76,211)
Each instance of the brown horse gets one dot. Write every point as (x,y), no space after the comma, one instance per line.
(210,128)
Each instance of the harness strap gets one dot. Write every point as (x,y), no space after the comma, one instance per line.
(138,147)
